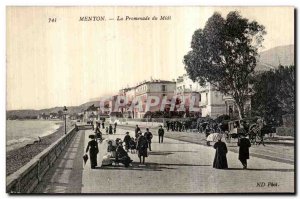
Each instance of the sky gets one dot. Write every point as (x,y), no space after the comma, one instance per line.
(70,62)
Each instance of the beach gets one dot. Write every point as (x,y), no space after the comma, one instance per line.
(18,157)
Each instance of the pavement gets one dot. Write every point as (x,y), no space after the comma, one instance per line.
(277,152)
(172,167)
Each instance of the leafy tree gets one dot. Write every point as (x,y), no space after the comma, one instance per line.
(286,89)
(224,54)
(264,101)
(60,114)
(274,94)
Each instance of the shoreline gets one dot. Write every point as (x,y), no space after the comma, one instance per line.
(16,158)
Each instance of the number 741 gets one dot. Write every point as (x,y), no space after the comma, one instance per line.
(51,20)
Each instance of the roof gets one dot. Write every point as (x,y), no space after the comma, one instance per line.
(158,81)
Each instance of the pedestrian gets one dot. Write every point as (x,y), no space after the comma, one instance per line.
(103,125)
(220,161)
(110,129)
(116,125)
(261,136)
(127,141)
(244,145)
(141,146)
(173,126)
(137,130)
(149,137)
(179,126)
(115,130)
(168,125)
(161,133)
(98,133)
(92,124)
(92,147)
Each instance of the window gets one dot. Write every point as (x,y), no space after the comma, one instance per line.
(163,87)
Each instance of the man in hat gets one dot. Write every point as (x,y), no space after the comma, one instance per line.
(141,146)
(149,137)
(110,129)
(137,130)
(92,147)
(127,141)
(244,145)
(161,133)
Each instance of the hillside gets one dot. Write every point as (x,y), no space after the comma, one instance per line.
(270,59)
(30,112)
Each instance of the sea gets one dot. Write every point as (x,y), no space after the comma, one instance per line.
(22,132)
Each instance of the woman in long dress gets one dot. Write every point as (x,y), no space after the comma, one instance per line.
(141,146)
(93,148)
(220,161)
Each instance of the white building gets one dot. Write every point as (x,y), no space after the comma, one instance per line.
(212,102)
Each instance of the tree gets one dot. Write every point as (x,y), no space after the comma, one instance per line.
(286,89)
(60,114)
(274,94)
(264,101)
(224,54)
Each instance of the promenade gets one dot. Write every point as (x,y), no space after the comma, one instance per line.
(175,166)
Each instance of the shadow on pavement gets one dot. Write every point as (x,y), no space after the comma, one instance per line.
(147,166)
(150,153)
(160,153)
(254,169)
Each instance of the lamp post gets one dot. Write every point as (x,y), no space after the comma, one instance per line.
(65,114)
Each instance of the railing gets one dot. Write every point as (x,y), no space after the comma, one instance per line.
(27,177)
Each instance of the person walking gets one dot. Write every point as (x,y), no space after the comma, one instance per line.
(261,136)
(161,133)
(126,140)
(141,146)
(260,124)
(98,133)
(244,145)
(110,129)
(168,125)
(220,161)
(92,124)
(149,137)
(92,147)
(103,125)
(137,130)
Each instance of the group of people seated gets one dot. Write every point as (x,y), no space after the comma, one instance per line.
(115,150)
(116,154)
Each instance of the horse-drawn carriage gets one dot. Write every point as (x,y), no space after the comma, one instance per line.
(252,127)
(234,129)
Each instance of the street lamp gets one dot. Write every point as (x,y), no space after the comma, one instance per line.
(65,114)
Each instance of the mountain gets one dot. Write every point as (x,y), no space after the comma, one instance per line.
(31,112)
(272,58)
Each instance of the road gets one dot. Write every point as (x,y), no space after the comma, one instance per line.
(172,167)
